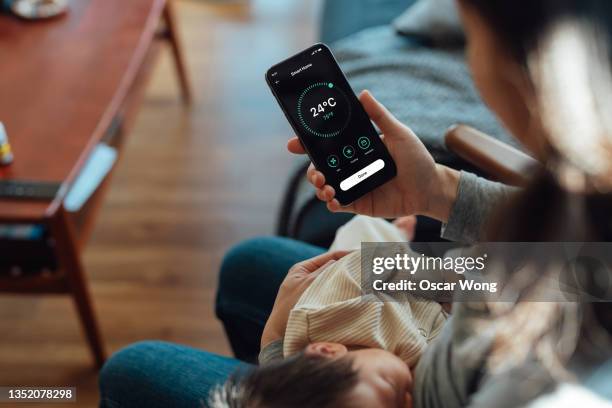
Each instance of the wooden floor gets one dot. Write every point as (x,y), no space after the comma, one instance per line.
(192,183)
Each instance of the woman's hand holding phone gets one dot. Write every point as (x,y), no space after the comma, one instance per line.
(421,186)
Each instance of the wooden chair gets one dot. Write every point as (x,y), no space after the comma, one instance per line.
(496,159)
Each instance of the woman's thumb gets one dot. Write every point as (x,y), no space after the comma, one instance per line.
(385,121)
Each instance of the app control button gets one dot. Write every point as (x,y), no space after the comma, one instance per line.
(363,142)
(362,174)
(348,152)
(332,161)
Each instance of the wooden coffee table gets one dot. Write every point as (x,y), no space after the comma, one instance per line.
(66,85)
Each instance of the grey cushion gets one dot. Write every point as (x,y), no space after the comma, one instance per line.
(435,20)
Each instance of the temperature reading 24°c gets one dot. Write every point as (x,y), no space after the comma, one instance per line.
(323,109)
(320,108)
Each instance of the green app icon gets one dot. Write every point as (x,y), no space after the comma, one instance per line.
(363,142)
(332,161)
(348,151)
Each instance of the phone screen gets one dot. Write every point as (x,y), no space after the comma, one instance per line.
(331,123)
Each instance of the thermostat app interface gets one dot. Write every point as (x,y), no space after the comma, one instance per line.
(331,123)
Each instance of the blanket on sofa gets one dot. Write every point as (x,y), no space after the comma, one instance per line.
(429,89)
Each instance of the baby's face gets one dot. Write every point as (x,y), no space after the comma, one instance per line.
(384,379)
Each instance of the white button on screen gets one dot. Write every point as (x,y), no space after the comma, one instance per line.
(362,174)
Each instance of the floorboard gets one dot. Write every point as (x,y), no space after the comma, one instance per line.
(191,183)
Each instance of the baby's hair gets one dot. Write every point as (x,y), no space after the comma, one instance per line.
(300,381)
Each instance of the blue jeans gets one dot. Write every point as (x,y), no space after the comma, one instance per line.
(158,374)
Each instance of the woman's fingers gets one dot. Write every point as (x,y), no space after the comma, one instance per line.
(318,261)
(326,193)
(323,195)
(385,121)
(323,191)
(316,272)
(295,146)
(335,206)
(315,177)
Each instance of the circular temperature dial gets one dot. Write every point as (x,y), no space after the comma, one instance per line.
(324,109)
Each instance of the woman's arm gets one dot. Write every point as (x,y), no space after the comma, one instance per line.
(475,201)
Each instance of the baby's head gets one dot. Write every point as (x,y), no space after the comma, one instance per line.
(324,375)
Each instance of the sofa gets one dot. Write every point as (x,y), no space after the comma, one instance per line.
(425,84)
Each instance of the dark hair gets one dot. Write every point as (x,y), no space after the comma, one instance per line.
(546,211)
(300,381)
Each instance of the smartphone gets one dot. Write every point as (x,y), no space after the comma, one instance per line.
(332,125)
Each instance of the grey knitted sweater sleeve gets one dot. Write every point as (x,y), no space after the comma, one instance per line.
(271,353)
(476,200)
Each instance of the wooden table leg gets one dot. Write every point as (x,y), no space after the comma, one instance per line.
(177,51)
(70,261)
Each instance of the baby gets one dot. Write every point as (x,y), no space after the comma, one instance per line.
(342,347)
(334,308)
